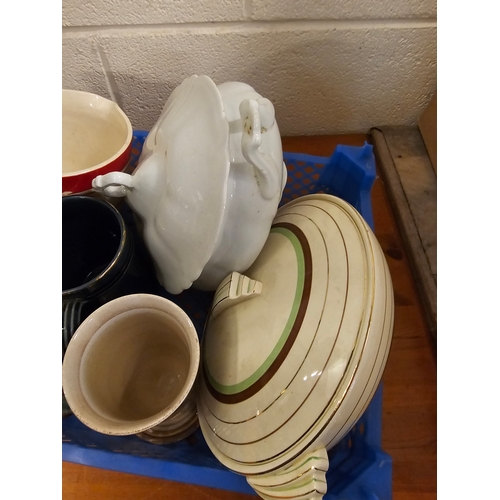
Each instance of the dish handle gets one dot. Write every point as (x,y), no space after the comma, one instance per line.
(113,184)
(304,478)
(257,117)
(234,289)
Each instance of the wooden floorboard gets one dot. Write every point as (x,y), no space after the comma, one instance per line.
(411,183)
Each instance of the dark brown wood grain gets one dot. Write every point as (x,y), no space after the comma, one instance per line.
(409,427)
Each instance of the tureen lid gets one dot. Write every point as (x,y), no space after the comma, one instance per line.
(189,143)
(294,350)
(179,187)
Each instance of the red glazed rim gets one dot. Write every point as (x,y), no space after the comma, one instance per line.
(81,180)
(78,182)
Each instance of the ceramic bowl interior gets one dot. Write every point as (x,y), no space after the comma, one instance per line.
(95,133)
(131,364)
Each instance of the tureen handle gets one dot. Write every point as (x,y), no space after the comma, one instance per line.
(258,116)
(305,477)
(234,289)
(114,184)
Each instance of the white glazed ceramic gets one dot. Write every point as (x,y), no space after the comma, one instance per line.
(208,182)
(96,139)
(131,368)
(294,350)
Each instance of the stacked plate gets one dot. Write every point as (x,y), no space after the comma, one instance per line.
(294,350)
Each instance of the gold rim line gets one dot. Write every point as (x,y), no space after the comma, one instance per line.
(381,367)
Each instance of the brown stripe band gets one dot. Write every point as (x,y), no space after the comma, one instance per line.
(273,368)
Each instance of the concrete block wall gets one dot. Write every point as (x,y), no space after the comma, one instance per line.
(329,66)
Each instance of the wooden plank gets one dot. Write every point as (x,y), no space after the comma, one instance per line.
(411,183)
(427,124)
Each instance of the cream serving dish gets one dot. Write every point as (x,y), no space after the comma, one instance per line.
(294,350)
(208,182)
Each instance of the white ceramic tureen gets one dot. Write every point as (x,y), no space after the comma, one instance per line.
(294,350)
(208,182)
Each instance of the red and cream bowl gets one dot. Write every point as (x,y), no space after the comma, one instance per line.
(96,139)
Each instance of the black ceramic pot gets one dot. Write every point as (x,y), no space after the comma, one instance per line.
(103,258)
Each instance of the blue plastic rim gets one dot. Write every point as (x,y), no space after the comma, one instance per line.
(359,468)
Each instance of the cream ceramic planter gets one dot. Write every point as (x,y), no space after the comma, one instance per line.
(131,368)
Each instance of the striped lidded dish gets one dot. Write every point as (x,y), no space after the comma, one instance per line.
(294,351)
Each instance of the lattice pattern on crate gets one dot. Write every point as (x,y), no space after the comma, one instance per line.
(304,173)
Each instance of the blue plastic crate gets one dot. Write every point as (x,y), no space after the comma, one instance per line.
(359,468)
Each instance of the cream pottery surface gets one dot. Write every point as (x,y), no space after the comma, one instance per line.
(294,351)
(208,182)
(131,368)
(96,139)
